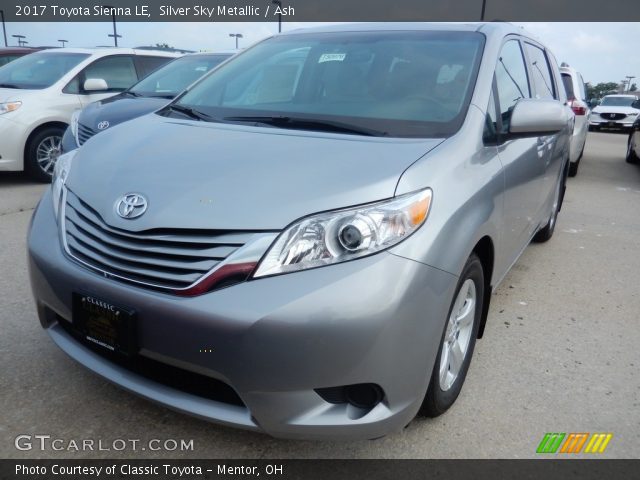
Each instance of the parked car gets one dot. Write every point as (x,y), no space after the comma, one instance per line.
(9,54)
(39,93)
(305,241)
(577,97)
(615,111)
(151,93)
(633,143)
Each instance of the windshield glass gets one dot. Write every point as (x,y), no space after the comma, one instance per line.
(617,101)
(38,70)
(171,79)
(404,84)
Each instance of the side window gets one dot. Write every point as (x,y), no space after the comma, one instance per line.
(490,133)
(583,89)
(119,72)
(149,64)
(540,72)
(511,80)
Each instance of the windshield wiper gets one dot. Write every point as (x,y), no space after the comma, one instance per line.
(162,95)
(190,112)
(133,94)
(284,121)
(9,85)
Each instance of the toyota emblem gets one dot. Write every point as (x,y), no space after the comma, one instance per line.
(131,205)
(103,125)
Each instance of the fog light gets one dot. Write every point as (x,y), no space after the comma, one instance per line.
(363,395)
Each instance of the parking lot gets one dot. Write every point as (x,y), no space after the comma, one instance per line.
(560,353)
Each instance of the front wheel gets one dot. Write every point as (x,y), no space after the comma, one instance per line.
(458,341)
(631,153)
(42,152)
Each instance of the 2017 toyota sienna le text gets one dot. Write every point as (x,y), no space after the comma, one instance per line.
(305,241)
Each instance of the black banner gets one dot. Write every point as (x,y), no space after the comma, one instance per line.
(319,10)
(322,469)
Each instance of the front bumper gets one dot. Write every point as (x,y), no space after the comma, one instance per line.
(274,340)
(11,144)
(68,141)
(598,121)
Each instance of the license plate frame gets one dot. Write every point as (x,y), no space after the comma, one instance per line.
(106,325)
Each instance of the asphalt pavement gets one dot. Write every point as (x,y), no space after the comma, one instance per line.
(561,351)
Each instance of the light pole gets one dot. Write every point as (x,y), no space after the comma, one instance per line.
(20,39)
(484,6)
(63,42)
(4,28)
(114,35)
(279,4)
(237,36)
(629,78)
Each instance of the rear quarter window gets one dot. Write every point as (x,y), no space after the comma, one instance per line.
(568,86)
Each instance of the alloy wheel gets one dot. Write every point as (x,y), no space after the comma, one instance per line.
(458,334)
(48,152)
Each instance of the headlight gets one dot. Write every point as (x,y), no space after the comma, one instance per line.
(9,107)
(74,124)
(343,235)
(60,174)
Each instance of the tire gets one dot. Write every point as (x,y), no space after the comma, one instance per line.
(42,152)
(573,168)
(546,232)
(631,154)
(444,386)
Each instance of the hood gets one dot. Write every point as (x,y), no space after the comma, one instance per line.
(118,109)
(606,109)
(213,176)
(17,94)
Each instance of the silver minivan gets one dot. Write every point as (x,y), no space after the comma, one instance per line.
(305,242)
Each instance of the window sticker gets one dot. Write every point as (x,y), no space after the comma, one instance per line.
(332,57)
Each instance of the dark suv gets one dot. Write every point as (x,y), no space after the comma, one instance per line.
(10,54)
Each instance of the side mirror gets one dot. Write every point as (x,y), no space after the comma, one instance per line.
(538,117)
(636,104)
(95,85)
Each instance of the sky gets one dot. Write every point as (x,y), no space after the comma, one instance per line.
(602,52)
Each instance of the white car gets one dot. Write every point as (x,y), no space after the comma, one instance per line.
(615,111)
(577,97)
(39,93)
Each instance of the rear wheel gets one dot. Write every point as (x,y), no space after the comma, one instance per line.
(546,232)
(458,341)
(42,152)
(631,154)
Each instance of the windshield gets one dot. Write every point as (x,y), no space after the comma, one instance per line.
(617,101)
(171,79)
(404,84)
(38,70)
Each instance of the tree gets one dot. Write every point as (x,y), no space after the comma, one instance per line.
(163,45)
(633,87)
(601,89)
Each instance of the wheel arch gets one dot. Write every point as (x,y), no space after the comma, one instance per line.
(38,129)
(485,251)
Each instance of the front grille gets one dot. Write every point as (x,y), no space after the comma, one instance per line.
(173,377)
(613,116)
(85,133)
(159,258)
